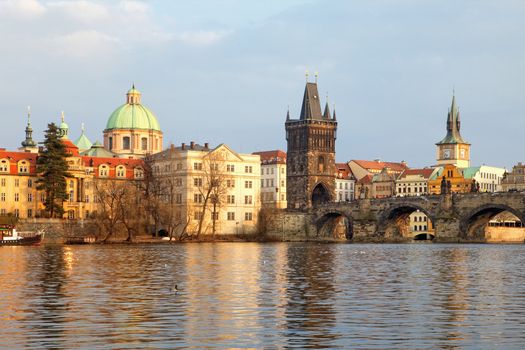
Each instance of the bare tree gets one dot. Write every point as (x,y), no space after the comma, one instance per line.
(211,187)
(130,208)
(109,196)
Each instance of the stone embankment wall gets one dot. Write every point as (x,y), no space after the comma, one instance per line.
(505,234)
(57,230)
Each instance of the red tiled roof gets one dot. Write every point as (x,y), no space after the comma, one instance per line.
(71,148)
(272,157)
(425,173)
(112,163)
(343,171)
(378,165)
(15,157)
(367,179)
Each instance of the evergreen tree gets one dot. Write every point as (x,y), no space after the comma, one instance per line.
(53,169)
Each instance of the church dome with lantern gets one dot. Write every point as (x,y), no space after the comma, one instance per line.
(132,130)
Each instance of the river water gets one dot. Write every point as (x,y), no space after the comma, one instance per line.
(249,295)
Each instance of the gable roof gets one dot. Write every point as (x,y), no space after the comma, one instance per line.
(343,171)
(272,157)
(378,165)
(367,179)
(424,173)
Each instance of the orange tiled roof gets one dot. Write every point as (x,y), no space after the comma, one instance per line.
(343,171)
(367,179)
(425,173)
(272,157)
(15,157)
(378,165)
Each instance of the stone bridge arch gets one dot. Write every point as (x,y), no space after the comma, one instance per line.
(473,223)
(333,223)
(393,222)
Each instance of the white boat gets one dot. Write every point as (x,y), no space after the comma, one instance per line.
(10,236)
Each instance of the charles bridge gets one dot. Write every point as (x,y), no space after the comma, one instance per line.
(455,218)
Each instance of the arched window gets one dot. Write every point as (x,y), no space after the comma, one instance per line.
(144,143)
(103,170)
(139,173)
(126,144)
(110,143)
(23,167)
(320,164)
(4,166)
(121,171)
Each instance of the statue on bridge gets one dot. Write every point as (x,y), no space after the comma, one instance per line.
(446,186)
(474,186)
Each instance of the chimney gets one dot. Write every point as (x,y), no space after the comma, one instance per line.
(192,145)
(183,146)
(206,145)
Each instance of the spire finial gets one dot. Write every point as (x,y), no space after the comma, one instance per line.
(316,75)
(83,128)
(62,116)
(307,74)
(28,114)
(288,113)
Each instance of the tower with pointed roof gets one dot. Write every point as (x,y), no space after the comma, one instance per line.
(453,149)
(311,153)
(29,145)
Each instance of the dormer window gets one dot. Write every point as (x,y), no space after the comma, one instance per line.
(23,167)
(121,171)
(139,173)
(103,170)
(4,166)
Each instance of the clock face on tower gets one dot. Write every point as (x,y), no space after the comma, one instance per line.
(446,154)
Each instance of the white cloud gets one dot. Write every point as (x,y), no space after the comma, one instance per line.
(82,10)
(86,44)
(134,6)
(26,9)
(202,38)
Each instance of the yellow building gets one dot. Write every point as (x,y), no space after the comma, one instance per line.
(452,177)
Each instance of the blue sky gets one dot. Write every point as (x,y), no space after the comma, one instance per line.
(225,71)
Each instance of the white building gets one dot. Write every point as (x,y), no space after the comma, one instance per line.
(488,177)
(273,178)
(216,189)
(413,182)
(344,183)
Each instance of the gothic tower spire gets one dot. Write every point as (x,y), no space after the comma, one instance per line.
(28,142)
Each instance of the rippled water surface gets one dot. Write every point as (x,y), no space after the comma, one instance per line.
(247,295)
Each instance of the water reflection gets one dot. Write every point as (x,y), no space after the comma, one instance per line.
(263,296)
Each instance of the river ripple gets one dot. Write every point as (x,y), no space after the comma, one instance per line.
(247,295)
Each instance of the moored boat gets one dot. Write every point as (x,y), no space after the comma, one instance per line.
(10,236)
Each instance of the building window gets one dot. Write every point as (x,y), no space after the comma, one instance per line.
(110,143)
(3,212)
(197,215)
(230,183)
(3,182)
(126,143)
(197,198)
(144,143)
(121,171)
(86,199)
(103,171)
(320,164)
(197,181)
(17,197)
(248,216)
(230,168)
(178,198)
(139,173)
(248,169)
(248,184)
(29,197)
(4,166)
(230,199)
(17,183)
(29,213)
(2,197)
(247,199)
(29,183)
(214,216)
(231,215)
(23,167)
(197,166)
(17,213)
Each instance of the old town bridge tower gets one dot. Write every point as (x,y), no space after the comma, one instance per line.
(310,163)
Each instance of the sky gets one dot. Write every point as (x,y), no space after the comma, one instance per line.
(225,71)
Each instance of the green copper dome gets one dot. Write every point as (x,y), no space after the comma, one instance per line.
(133,115)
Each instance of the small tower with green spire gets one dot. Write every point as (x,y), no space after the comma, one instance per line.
(83,142)
(29,145)
(63,128)
(453,149)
